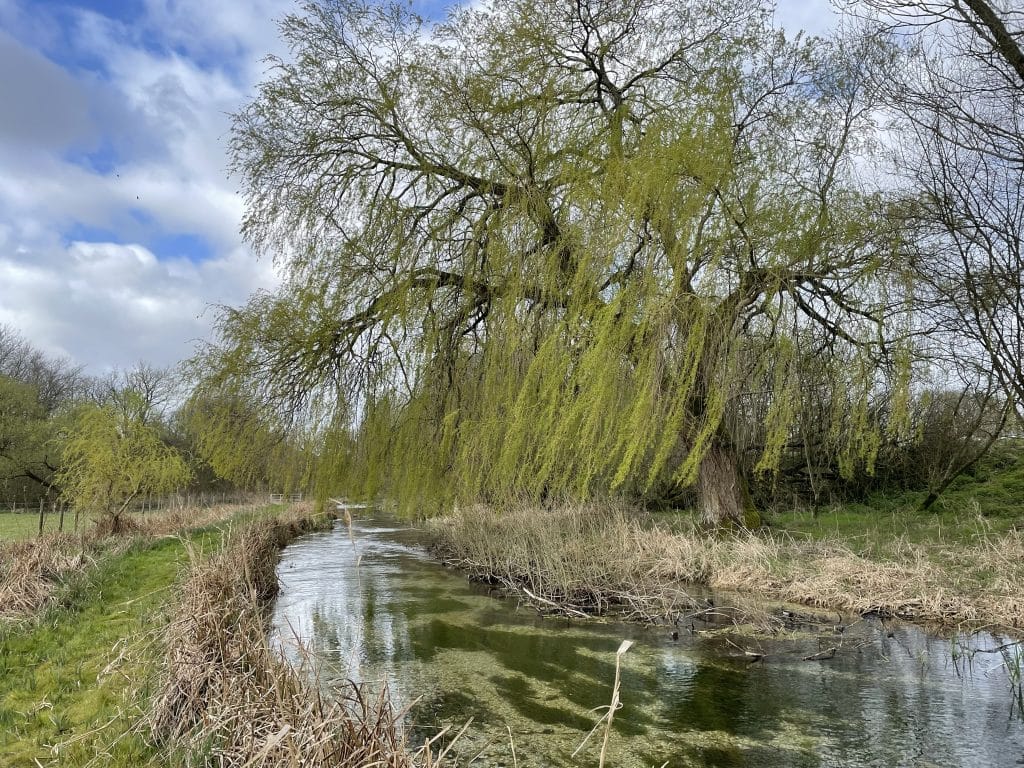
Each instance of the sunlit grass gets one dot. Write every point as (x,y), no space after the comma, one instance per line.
(53,691)
(73,680)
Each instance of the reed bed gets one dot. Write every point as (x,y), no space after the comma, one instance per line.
(600,557)
(31,569)
(226,698)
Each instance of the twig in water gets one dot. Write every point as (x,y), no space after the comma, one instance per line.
(821,655)
(565,608)
(512,743)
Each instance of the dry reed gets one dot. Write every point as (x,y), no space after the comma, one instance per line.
(226,698)
(32,570)
(595,558)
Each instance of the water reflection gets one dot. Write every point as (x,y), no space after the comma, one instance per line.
(375,607)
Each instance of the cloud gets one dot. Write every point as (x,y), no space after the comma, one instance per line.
(60,119)
(118,222)
(114,304)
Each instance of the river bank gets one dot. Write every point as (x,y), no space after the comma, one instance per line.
(225,696)
(77,671)
(371,603)
(592,559)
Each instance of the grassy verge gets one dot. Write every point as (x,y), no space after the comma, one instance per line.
(74,679)
(595,558)
(33,570)
(226,698)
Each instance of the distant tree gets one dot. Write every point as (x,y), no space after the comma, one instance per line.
(244,442)
(36,391)
(958,96)
(56,379)
(110,459)
(958,428)
(540,249)
(26,430)
(143,392)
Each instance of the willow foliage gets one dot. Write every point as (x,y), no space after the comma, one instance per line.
(109,460)
(542,248)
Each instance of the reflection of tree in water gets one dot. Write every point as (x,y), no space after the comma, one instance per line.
(434,636)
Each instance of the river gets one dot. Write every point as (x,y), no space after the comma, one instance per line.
(373,606)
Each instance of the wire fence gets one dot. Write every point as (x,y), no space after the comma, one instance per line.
(55,516)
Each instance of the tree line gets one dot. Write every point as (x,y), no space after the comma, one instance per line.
(99,444)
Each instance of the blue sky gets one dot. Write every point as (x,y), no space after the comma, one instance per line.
(118,222)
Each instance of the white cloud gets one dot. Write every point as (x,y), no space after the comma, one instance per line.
(113,305)
(152,100)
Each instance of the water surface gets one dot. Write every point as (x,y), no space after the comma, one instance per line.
(374,607)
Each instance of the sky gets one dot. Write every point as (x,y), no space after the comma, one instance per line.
(118,221)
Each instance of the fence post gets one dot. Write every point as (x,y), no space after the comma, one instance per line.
(61,524)
(42,515)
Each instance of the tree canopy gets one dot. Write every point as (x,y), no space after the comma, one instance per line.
(958,99)
(110,458)
(547,248)
(35,393)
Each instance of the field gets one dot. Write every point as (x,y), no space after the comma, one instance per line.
(22,525)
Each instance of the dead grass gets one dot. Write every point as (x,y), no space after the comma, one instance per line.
(32,570)
(173,521)
(600,557)
(227,699)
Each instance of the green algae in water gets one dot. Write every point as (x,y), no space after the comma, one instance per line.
(381,610)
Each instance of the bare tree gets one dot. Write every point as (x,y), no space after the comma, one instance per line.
(959,99)
(144,392)
(55,379)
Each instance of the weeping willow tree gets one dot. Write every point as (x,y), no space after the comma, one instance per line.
(111,457)
(540,249)
(246,442)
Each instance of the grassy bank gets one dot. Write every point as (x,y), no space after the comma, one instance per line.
(34,570)
(23,525)
(225,697)
(601,557)
(76,679)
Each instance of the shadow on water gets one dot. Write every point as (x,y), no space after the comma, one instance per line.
(380,609)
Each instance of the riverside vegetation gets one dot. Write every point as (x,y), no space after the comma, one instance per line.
(609,279)
(960,564)
(89,620)
(225,697)
(613,559)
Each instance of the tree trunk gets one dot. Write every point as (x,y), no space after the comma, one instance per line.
(723,498)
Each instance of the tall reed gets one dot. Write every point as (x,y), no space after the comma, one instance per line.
(227,698)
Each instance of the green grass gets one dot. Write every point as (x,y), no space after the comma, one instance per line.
(71,682)
(988,501)
(872,530)
(23,525)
